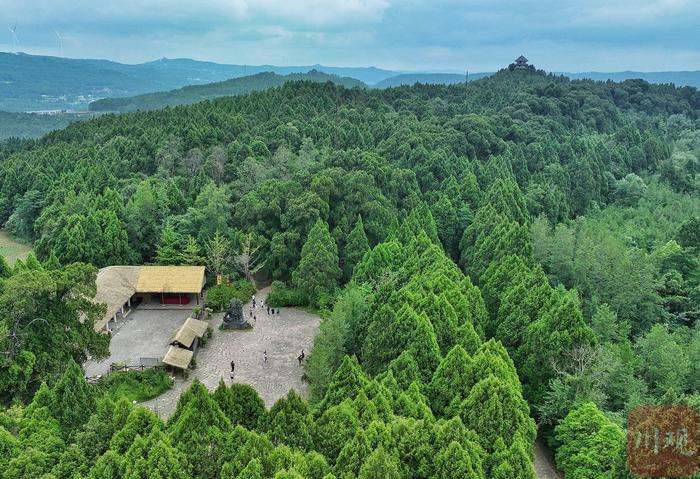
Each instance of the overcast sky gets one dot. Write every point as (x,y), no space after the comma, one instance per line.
(482,35)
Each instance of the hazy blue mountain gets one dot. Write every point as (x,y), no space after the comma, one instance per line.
(683,78)
(427,78)
(33,82)
(235,86)
(33,125)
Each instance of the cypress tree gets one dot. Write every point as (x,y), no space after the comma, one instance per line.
(495,409)
(73,400)
(253,470)
(190,254)
(379,465)
(318,271)
(5,270)
(334,428)
(50,264)
(450,382)
(168,250)
(290,423)
(355,248)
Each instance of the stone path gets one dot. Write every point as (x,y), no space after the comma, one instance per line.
(283,336)
(544,463)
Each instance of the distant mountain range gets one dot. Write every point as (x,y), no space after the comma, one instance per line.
(32,82)
(687,78)
(429,78)
(196,93)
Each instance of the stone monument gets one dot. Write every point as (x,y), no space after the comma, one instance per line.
(233,319)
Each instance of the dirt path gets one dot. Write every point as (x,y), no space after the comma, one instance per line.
(544,463)
(283,336)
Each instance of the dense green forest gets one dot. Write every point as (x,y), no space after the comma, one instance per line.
(513,256)
(210,91)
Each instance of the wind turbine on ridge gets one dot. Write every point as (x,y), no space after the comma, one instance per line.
(15,41)
(60,42)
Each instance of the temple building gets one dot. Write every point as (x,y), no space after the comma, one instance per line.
(521,62)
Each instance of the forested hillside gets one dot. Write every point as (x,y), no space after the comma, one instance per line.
(515,254)
(210,91)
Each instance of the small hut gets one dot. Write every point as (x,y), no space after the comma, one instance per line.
(189,334)
(178,358)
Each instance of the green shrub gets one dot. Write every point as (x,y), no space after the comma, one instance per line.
(135,385)
(218,297)
(282,295)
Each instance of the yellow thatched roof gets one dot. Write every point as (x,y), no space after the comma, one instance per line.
(178,357)
(192,328)
(115,285)
(170,279)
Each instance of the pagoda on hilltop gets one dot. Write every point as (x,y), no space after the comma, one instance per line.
(521,63)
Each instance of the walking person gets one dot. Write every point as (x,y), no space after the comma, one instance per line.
(264,356)
(233,368)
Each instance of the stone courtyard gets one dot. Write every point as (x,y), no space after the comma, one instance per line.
(144,333)
(283,336)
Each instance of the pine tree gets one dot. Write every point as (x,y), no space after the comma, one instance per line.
(140,422)
(196,429)
(253,470)
(447,224)
(355,248)
(318,272)
(290,423)
(379,465)
(72,464)
(51,263)
(168,250)
(241,404)
(334,428)
(352,455)
(454,462)
(74,248)
(190,254)
(5,270)
(32,263)
(412,403)
(408,331)
(557,331)
(405,370)
(495,409)
(107,466)
(450,382)
(73,400)
(591,444)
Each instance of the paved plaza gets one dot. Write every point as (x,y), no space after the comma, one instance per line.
(283,336)
(144,333)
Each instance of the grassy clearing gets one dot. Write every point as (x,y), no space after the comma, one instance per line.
(136,385)
(12,249)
